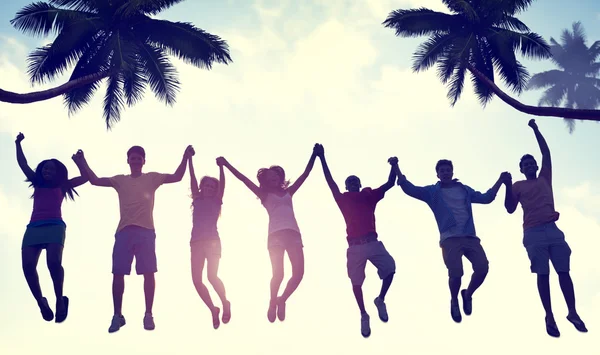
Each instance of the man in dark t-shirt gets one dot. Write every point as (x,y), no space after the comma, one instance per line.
(358,208)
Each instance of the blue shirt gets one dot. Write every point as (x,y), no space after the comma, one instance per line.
(432,196)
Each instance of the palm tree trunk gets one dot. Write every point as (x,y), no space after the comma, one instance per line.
(569,113)
(16,98)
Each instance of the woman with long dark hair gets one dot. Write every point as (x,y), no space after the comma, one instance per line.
(46,228)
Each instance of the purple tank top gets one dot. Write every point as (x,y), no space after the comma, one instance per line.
(47,204)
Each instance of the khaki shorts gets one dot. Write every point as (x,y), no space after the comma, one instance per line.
(203,249)
(286,239)
(375,252)
(454,248)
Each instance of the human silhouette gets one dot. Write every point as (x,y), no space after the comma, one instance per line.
(205,243)
(46,228)
(135,235)
(451,203)
(275,194)
(542,238)
(358,208)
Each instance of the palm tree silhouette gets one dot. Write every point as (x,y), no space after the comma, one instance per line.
(575,84)
(114,40)
(480,37)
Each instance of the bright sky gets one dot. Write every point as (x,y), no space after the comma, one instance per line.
(319,71)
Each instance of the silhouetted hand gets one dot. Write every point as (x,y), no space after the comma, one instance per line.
(221,161)
(20,137)
(532,124)
(393,161)
(78,157)
(506,177)
(189,152)
(318,150)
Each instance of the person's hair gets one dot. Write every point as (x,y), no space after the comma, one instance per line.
(138,150)
(60,180)
(201,194)
(443,162)
(351,177)
(525,157)
(276,169)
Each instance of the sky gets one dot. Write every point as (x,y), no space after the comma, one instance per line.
(322,71)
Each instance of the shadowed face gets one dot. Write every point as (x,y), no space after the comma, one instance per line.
(136,161)
(445,173)
(353,183)
(529,167)
(271,179)
(209,187)
(49,171)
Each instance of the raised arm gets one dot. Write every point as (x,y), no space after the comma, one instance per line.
(296,185)
(178,175)
(320,152)
(193,180)
(94,180)
(490,195)
(418,192)
(249,184)
(392,177)
(546,159)
(221,181)
(29,173)
(510,200)
(83,178)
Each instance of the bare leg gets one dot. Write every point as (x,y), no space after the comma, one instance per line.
(54,260)
(358,294)
(217,284)
(296,256)
(29,259)
(197,270)
(385,286)
(149,287)
(118,288)
(276,254)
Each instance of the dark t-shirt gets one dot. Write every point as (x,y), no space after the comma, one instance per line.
(358,209)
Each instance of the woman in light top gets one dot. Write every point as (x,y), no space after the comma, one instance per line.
(205,243)
(284,235)
(46,228)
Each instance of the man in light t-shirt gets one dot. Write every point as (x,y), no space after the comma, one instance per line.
(450,201)
(135,236)
(542,239)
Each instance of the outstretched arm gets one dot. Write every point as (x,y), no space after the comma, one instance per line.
(249,184)
(510,200)
(490,195)
(418,192)
(221,182)
(178,175)
(94,180)
(29,173)
(193,181)
(335,190)
(392,177)
(296,185)
(83,178)
(546,159)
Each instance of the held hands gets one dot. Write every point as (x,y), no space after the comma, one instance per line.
(506,178)
(222,161)
(393,161)
(189,152)
(78,157)
(532,124)
(318,150)
(20,137)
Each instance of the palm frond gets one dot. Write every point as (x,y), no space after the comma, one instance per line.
(47,62)
(185,41)
(456,84)
(481,59)
(548,78)
(512,7)
(113,100)
(512,23)
(429,52)
(531,45)
(554,95)
(559,54)
(447,64)
(420,22)
(160,73)
(78,5)
(150,7)
(42,19)
(594,50)
(462,7)
(95,59)
(513,73)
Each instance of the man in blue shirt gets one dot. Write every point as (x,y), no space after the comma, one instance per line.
(450,201)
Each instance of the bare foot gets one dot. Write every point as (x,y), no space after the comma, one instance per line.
(215,317)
